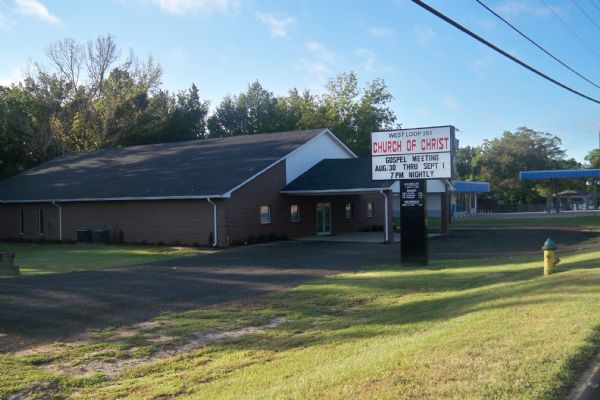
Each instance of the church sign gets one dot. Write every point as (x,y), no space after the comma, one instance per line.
(421,153)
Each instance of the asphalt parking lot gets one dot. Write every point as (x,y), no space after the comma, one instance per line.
(46,308)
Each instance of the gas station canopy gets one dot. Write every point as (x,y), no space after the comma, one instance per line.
(560,174)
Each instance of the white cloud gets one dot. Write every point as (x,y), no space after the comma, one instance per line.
(320,51)
(181,7)
(278,24)
(34,8)
(496,120)
(481,64)
(5,23)
(369,57)
(424,34)
(487,24)
(370,61)
(451,103)
(314,73)
(317,69)
(379,32)
(313,68)
(15,75)
(423,112)
(176,56)
(514,8)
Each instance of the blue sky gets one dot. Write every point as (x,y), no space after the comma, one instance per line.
(437,74)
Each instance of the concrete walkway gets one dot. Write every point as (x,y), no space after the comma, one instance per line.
(357,237)
(354,237)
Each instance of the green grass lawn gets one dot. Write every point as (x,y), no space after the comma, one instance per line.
(587,222)
(39,258)
(476,329)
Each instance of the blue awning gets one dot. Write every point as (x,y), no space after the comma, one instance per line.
(560,174)
(471,187)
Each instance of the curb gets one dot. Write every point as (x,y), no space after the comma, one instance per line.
(588,386)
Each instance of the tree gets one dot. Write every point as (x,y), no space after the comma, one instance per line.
(188,119)
(593,158)
(68,57)
(119,107)
(300,110)
(170,118)
(352,113)
(372,114)
(467,163)
(254,111)
(101,54)
(25,133)
(90,97)
(503,158)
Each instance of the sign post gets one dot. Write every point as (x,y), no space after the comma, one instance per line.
(414,244)
(413,156)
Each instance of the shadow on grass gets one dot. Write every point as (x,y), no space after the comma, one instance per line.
(318,302)
(504,242)
(350,314)
(36,309)
(380,302)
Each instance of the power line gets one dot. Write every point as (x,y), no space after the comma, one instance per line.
(586,14)
(570,29)
(595,5)
(534,43)
(499,50)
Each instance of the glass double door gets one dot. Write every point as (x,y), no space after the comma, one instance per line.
(323,218)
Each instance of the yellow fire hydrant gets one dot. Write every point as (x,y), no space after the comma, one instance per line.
(550,259)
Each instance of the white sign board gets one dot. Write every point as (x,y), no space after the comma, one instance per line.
(421,153)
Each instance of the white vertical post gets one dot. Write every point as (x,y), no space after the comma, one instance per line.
(60,228)
(215,225)
(386,223)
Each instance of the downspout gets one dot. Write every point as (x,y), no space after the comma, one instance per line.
(60,231)
(215,241)
(386,224)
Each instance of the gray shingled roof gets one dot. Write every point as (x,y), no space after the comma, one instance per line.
(337,175)
(209,167)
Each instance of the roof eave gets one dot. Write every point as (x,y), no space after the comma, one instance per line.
(102,199)
(311,192)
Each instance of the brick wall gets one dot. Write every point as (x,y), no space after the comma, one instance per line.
(191,221)
(10,221)
(172,221)
(240,215)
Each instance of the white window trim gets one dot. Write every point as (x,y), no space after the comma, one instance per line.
(297,213)
(351,211)
(372,214)
(22,222)
(260,214)
(41,229)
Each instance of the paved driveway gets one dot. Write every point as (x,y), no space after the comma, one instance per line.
(38,309)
